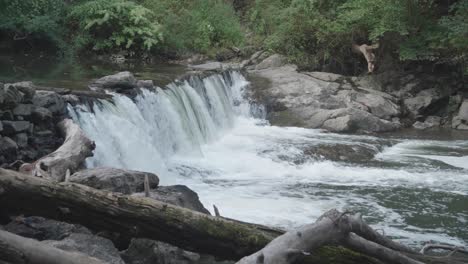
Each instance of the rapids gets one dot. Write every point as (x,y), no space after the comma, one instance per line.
(205,134)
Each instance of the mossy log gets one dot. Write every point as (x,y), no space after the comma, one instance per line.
(147,218)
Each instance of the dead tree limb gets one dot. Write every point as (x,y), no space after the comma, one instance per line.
(368,53)
(70,156)
(21,250)
(451,248)
(336,228)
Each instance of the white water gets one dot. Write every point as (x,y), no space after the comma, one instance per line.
(204,134)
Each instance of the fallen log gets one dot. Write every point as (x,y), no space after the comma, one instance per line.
(21,250)
(69,156)
(336,228)
(322,242)
(144,218)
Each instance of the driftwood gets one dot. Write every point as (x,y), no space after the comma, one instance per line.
(70,156)
(20,250)
(334,238)
(339,228)
(142,217)
(368,52)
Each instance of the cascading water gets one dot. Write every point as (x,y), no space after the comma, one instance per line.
(203,133)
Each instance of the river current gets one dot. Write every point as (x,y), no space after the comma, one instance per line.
(205,134)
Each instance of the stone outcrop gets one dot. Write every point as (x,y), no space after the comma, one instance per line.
(118,82)
(115,180)
(323,100)
(460,121)
(179,195)
(27,122)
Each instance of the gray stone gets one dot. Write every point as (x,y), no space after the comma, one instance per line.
(148,84)
(50,100)
(71,98)
(341,152)
(2,93)
(27,88)
(143,251)
(12,96)
(463,111)
(22,140)
(8,147)
(179,195)
(430,122)
(323,100)
(423,101)
(121,80)
(116,180)
(1,126)
(40,114)
(23,110)
(91,245)
(43,229)
(273,61)
(14,127)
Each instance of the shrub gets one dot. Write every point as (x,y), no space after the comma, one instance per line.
(116,25)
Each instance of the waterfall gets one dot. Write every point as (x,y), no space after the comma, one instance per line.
(143,133)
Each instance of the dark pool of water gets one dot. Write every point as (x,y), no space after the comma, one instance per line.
(55,72)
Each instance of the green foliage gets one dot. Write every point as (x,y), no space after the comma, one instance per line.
(34,19)
(116,25)
(197,25)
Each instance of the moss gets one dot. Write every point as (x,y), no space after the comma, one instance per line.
(338,255)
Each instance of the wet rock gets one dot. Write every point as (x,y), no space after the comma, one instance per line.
(1,126)
(14,127)
(21,140)
(143,251)
(12,96)
(91,245)
(8,148)
(341,152)
(41,114)
(71,99)
(179,195)
(378,105)
(50,100)
(43,229)
(461,120)
(463,112)
(27,88)
(2,93)
(148,84)
(424,102)
(119,81)
(431,121)
(116,180)
(273,61)
(23,110)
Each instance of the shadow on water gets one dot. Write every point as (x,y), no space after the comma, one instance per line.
(76,74)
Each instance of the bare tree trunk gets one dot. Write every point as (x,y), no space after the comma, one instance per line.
(368,52)
(20,250)
(70,156)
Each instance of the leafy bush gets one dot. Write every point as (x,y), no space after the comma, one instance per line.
(197,25)
(116,25)
(34,19)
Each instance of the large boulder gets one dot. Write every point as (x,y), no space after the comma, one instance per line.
(23,110)
(14,127)
(50,100)
(143,251)
(119,81)
(461,120)
(8,148)
(115,180)
(324,100)
(179,195)
(41,114)
(91,245)
(430,122)
(43,229)
(425,102)
(273,61)
(27,88)
(12,96)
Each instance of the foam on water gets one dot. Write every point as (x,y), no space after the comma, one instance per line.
(205,134)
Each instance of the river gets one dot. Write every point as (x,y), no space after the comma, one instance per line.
(205,134)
